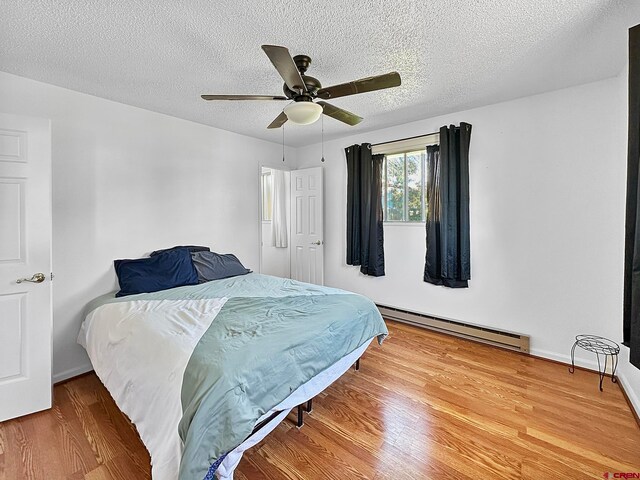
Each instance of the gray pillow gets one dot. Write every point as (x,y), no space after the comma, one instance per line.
(214,266)
(191,248)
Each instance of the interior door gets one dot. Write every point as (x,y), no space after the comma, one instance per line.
(307,225)
(25,265)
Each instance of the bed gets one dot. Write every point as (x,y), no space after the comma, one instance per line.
(207,371)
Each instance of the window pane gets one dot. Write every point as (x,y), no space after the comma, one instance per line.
(395,188)
(267,195)
(414,186)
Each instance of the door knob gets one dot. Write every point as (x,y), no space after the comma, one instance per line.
(317,242)
(37,278)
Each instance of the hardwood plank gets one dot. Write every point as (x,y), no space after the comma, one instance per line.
(3,440)
(424,405)
(103,443)
(19,454)
(122,468)
(100,473)
(77,454)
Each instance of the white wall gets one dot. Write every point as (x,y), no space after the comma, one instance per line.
(547,187)
(128,181)
(277,261)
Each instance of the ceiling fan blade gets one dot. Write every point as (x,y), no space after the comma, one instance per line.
(279,121)
(340,114)
(242,97)
(363,85)
(286,67)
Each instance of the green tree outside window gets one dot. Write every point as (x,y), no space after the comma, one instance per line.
(403,187)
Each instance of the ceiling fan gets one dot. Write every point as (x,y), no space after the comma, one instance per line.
(304,90)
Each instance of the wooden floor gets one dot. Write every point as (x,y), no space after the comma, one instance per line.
(422,406)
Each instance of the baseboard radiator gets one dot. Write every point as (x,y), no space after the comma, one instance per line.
(491,336)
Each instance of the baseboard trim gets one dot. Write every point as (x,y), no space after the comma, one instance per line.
(71,373)
(581,363)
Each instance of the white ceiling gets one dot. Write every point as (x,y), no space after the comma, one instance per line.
(451,54)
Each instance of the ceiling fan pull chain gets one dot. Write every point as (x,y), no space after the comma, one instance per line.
(283,143)
(322,139)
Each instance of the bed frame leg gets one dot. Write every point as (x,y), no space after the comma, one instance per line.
(300,417)
(357,364)
(310,405)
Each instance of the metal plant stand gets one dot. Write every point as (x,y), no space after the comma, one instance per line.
(599,346)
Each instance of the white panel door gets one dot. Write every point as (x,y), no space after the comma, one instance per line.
(25,253)
(307,225)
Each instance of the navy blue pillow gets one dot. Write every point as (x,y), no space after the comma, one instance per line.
(170,269)
(214,266)
(191,248)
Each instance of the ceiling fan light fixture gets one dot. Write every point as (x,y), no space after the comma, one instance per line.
(303,113)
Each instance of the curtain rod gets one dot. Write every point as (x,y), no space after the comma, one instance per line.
(403,139)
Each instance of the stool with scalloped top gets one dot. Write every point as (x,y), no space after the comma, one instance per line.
(599,346)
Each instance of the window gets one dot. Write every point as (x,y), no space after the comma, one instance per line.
(403,187)
(404,177)
(267,194)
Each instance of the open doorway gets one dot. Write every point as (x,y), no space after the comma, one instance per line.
(275,208)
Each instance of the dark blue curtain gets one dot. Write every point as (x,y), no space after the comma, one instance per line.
(365,234)
(448,258)
(631,306)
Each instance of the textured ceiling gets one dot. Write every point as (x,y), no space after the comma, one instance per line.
(451,54)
